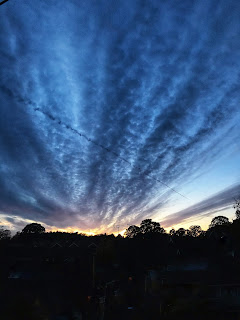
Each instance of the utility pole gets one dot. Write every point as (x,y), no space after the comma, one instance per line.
(118,226)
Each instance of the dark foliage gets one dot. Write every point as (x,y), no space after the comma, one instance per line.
(237,207)
(33,228)
(219,221)
(5,234)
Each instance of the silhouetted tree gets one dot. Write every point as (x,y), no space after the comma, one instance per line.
(237,207)
(219,221)
(4,234)
(17,235)
(181,232)
(172,232)
(149,226)
(132,231)
(195,231)
(33,228)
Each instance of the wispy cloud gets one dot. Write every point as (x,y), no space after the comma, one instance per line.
(156,83)
(214,204)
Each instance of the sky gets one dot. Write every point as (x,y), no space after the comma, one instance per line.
(112,112)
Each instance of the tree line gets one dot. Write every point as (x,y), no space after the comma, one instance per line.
(147,228)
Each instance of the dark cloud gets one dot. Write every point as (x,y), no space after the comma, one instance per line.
(155,83)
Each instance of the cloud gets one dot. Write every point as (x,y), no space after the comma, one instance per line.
(155,83)
(214,204)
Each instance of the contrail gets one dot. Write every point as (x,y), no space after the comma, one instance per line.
(28,102)
(3,2)
(67,126)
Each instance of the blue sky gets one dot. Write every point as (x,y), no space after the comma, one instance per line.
(156,82)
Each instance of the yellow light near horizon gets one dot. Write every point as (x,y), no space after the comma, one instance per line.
(120,232)
(72,230)
(91,232)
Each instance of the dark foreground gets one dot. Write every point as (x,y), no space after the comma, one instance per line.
(67,277)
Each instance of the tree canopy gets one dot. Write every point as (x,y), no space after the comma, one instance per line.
(181,232)
(33,228)
(219,221)
(147,227)
(4,234)
(195,231)
(132,231)
(237,207)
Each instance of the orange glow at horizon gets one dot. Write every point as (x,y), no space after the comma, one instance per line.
(90,232)
(202,221)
